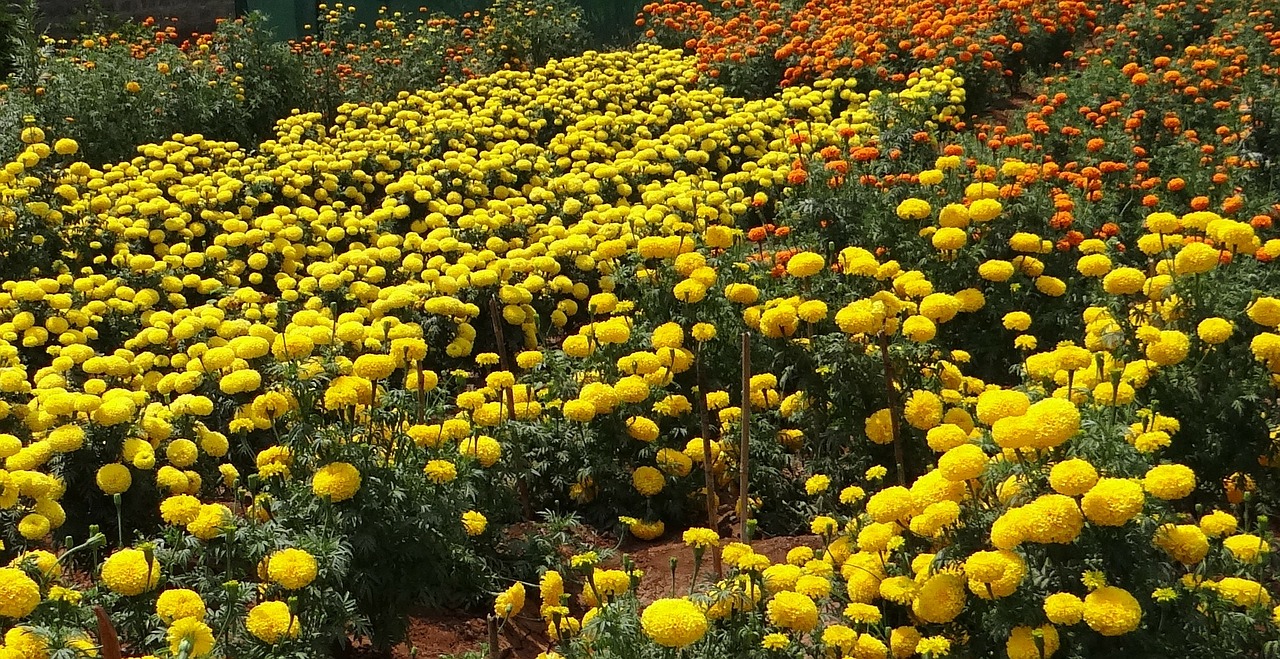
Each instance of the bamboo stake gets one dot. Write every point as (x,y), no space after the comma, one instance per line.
(712,521)
(744,449)
(521,485)
(892,395)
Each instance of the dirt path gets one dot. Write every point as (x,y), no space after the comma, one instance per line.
(435,634)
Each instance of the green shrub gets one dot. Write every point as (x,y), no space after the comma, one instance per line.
(112,94)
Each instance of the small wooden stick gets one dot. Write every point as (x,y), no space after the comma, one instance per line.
(894,424)
(494,653)
(496,316)
(713,521)
(744,449)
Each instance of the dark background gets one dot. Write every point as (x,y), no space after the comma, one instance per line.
(610,21)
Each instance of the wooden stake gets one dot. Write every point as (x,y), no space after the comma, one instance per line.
(493,637)
(744,449)
(713,522)
(521,485)
(892,396)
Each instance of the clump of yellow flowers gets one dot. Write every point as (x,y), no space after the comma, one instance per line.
(416,323)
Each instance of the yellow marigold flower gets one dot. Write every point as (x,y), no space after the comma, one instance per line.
(1265,311)
(923,409)
(1113,501)
(1247,547)
(211,521)
(529,359)
(647,480)
(337,481)
(483,448)
(891,504)
(919,329)
(294,569)
(703,332)
(241,381)
(673,623)
(1186,543)
(996,270)
(963,462)
(180,509)
(1170,482)
(177,603)
(1214,330)
(1022,642)
(193,634)
(45,562)
(824,525)
(817,484)
(914,209)
(841,638)
(1196,258)
(1073,477)
(1051,286)
(642,428)
(781,577)
(949,238)
(1094,265)
(1124,281)
(1112,611)
(996,404)
(939,307)
(985,210)
(510,601)
(19,595)
(701,538)
(1217,524)
(645,530)
(65,439)
(128,572)
(742,293)
(776,641)
(64,594)
(1052,421)
(1242,592)
(940,599)
(440,471)
(66,147)
(934,646)
(1063,608)
(551,588)
(793,611)
(805,264)
(474,523)
(270,622)
(862,613)
(879,427)
(1171,347)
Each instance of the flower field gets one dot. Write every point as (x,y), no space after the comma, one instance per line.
(978,297)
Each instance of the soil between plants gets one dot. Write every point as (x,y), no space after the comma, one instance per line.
(432,634)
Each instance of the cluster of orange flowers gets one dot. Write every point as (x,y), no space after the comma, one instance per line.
(1166,133)
(885,39)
